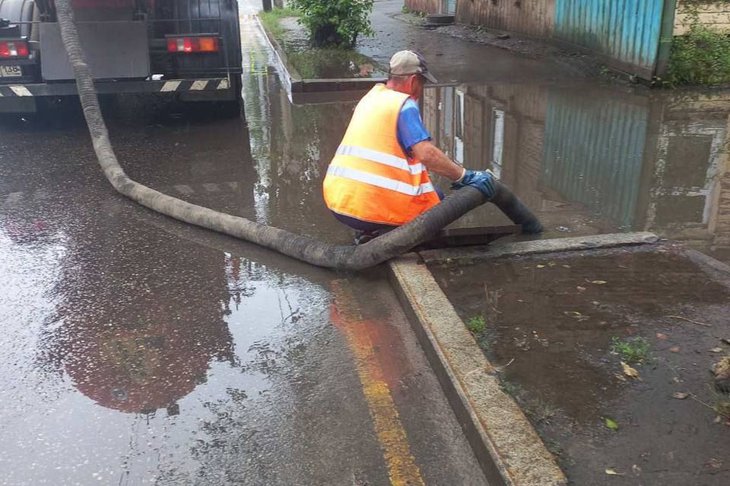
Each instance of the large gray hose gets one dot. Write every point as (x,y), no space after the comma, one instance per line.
(300,247)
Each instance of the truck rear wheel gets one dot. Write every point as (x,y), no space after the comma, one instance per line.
(232,108)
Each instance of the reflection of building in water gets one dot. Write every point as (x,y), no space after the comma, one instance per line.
(690,192)
(590,160)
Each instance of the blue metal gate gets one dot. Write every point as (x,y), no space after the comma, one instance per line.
(450,7)
(627,31)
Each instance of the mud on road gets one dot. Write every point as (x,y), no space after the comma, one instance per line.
(558,327)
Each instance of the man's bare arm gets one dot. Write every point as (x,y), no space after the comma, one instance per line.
(436,161)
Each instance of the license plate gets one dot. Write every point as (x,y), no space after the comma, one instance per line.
(10,72)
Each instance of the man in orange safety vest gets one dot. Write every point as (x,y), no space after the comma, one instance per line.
(378,179)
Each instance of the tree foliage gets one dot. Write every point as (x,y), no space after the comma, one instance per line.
(335,22)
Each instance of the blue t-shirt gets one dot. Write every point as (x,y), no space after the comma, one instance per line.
(410,126)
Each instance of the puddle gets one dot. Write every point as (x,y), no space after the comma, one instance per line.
(555,323)
(324,63)
(591,159)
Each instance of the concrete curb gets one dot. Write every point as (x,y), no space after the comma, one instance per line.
(711,265)
(505,443)
(475,254)
(295,84)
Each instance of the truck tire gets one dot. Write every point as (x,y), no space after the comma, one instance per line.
(232,108)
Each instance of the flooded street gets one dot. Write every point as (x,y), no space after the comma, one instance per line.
(139,350)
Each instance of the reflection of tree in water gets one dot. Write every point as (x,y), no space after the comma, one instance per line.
(142,312)
(137,323)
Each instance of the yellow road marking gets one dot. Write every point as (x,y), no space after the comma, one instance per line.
(402,468)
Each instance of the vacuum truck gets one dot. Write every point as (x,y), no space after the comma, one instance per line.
(187,49)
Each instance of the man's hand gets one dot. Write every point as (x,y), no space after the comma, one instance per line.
(482,180)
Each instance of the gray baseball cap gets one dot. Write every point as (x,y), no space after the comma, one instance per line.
(404,63)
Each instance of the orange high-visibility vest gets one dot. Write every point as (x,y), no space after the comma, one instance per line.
(371,178)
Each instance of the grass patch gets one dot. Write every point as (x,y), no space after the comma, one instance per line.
(722,407)
(701,57)
(512,389)
(476,324)
(271,20)
(540,412)
(631,351)
(331,62)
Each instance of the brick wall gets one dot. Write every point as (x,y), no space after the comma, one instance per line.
(714,14)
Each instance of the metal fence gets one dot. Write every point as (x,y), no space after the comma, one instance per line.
(534,18)
(627,31)
(633,35)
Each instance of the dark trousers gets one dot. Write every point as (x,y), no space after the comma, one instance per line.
(367,226)
(364,226)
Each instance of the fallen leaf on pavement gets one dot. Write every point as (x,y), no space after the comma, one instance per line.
(580,289)
(541,266)
(611,424)
(612,472)
(716,350)
(629,371)
(599,282)
(680,395)
(661,336)
(674,349)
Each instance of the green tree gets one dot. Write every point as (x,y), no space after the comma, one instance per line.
(335,22)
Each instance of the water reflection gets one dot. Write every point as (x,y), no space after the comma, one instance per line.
(291,145)
(592,159)
(134,340)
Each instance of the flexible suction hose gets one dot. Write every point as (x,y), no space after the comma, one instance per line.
(300,247)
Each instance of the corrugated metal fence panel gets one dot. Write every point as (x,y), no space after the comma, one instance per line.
(627,31)
(427,6)
(450,7)
(594,153)
(531,17)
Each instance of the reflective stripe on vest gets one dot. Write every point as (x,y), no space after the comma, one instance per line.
(380,181)
(380,158)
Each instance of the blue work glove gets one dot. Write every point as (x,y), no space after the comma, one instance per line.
(482,180)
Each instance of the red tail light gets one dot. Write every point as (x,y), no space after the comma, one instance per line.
(192,44)
(13,49)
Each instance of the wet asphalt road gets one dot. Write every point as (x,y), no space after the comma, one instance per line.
(136,350)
